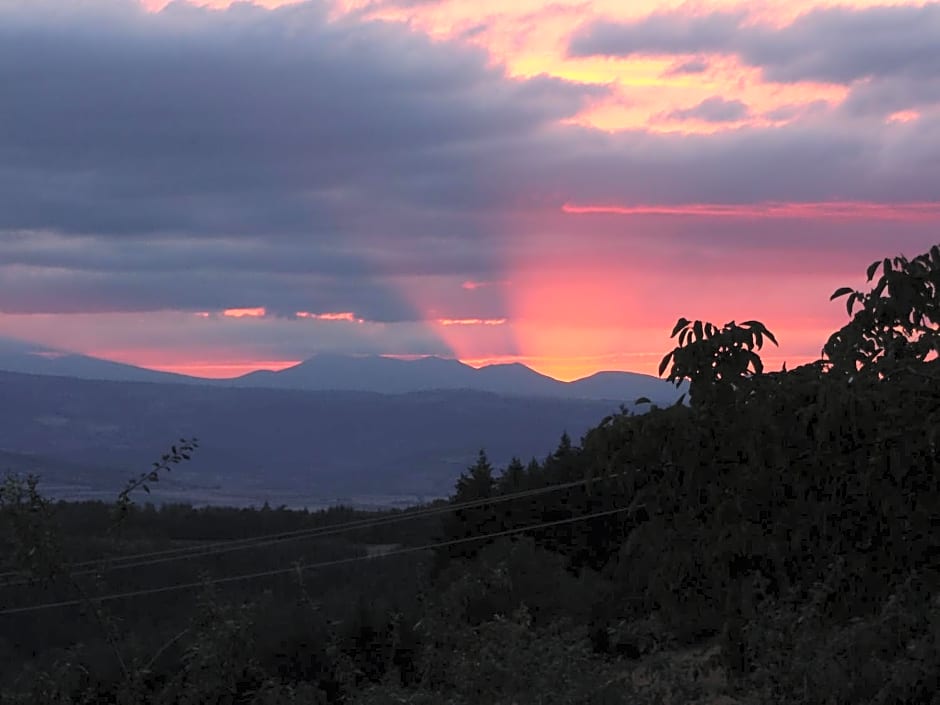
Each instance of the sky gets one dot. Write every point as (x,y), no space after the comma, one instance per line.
(211,188)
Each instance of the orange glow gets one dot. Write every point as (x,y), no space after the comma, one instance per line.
(578,306)
(834,210)
(473,337)
(258,312)
(347,316)
(569,317)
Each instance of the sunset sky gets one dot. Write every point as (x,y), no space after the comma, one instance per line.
(211,188)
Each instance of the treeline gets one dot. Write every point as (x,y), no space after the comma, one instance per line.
(773,540)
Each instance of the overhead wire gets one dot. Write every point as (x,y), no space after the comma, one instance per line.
(101,565)
(301,568)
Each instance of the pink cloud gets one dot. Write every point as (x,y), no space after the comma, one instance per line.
(471,321)
(347,316)
(829,210)
(258,312)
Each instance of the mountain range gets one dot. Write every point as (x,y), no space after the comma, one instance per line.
(87,437)
(330,372)
(334,425)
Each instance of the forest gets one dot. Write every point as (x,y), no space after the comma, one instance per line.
(774,538)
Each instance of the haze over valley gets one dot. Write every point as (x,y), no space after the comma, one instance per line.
(360,431)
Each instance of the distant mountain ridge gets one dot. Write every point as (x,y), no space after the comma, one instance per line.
(85,437)
(373,373)
(34,359)
(393,376)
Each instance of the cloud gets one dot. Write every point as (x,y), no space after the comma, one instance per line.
(275,153)
(690,67)
(795,111)
(887,54)
(344,316)
(296,115)
(843,45)
(675,32)
(171,338)
(471,321)
(715,109)
(259,312)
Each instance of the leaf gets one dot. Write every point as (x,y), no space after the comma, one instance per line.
(842,292)
(872,268)
(680,324)
(642,400)
(758,364)
(664,364)
(697,328)
(680,400)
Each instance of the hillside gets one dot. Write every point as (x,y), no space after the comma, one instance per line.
(268,443)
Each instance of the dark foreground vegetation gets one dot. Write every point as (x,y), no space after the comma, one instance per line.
(777,540)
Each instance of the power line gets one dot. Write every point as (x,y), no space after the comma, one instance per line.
(171,555)
(267,539)
(311,566)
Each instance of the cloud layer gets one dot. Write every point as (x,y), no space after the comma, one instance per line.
(298,160)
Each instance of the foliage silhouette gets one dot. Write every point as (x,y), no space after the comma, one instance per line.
(715,360)
(897,321)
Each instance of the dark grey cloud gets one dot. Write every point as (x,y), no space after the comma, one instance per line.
(714,109)
(296,113)
(843,45)
(819,160)
(884,97)
(674,32)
